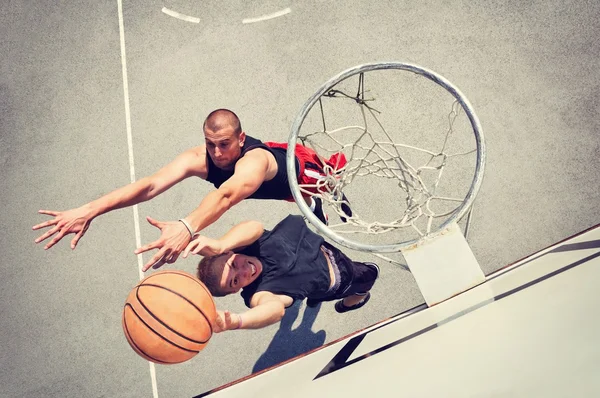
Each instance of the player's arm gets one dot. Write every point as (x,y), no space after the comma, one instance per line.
(240,235)
(250,172)
(77,221)
(183,166)
(266,309)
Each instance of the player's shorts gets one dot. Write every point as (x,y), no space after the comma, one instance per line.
(354,277)
(311,165)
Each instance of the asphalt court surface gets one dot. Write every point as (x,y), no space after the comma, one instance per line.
(530,72)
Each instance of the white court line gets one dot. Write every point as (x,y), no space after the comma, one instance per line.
(181,16)
(267,16)
(136,220)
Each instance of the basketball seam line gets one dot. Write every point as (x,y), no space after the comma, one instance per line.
(167,326)
(156,333)
(185,275)
(138,347)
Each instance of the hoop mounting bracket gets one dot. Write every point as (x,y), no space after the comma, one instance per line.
(443,266)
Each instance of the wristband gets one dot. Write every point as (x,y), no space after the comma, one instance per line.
(187,226)
(239,322)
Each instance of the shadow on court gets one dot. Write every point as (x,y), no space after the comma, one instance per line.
(590,244)
(289,343)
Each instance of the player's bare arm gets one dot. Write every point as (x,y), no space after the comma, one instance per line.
(250,172)
(240,235)
(77,221)
(267,309)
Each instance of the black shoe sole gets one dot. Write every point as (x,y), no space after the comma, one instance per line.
(341,308)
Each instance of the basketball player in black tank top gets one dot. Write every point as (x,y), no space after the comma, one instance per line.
(227,149)
(274,268)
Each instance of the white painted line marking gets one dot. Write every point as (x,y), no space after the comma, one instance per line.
(181,16)
(267,16)
(136,219)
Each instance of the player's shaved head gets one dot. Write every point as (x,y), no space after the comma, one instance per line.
(220,119)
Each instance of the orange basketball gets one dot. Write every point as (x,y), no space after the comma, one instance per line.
(168,317)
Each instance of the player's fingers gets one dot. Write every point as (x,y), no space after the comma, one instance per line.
(49,212)
(76,239)
(48,234)
(154,245)
(188,248)
(156,261)
(154,222)
(155,264)
(45,224)
(194,247)
(199,248)
(227,316)
(55,240)
(219,326)
(220,317)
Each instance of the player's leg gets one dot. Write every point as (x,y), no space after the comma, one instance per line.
(316,206)
(345,207)
(305,157)
(311,174)
(358,294)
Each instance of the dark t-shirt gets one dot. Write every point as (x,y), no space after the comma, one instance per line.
(276,188)
(293,263)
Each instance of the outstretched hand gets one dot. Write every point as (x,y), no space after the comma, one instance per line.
(204,246)
(74,221)
(225,321)
(173,240)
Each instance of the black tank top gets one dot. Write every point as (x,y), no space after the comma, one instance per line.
(293,263)
(276,188)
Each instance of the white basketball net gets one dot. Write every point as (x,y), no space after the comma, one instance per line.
(372,151)
(384,160)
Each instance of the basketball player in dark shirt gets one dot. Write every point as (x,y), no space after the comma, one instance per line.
(274,268)
(239,166)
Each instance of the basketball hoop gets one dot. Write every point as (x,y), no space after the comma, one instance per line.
(427,182)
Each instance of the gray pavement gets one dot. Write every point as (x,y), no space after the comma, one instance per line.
(529,70)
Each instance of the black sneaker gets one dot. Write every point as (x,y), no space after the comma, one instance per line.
(346,208)
(319,210)
(341,308)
